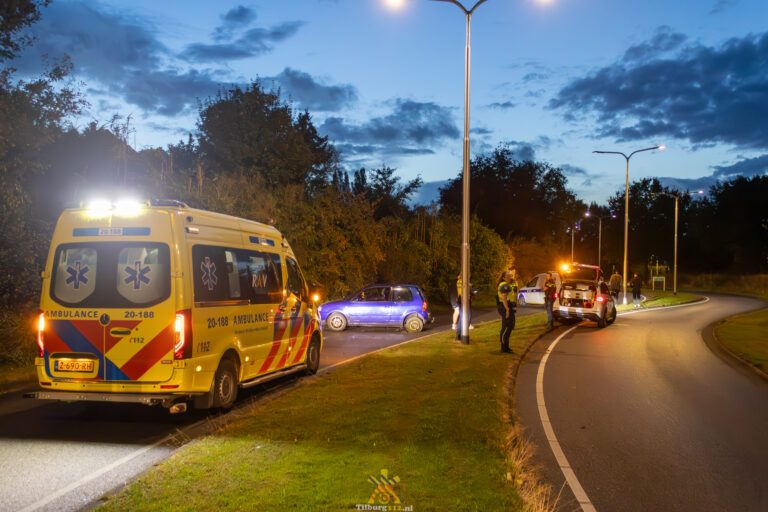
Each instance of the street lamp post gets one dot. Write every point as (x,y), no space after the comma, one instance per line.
(626,208)
(465,291)
(600,235)
(677,202)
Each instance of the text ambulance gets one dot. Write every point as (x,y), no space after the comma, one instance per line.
(159,303)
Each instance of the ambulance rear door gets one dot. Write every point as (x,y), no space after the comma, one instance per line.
(111,315)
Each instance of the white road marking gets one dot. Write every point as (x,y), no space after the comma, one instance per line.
(88,478)
(554,444)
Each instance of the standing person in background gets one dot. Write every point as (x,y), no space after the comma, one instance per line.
(507,289)
(615,284)
(636,284)
(550,290)
(456,302)
(457,309)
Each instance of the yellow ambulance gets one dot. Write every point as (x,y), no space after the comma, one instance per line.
(158,303)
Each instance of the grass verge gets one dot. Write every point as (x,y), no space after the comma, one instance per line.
(13,377)
(745,337)
(434,413)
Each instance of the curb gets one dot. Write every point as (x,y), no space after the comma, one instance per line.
(711,330)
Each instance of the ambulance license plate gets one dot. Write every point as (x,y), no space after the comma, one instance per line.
(73,365)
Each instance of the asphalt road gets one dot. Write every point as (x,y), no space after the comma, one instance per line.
(649,416)
(64,457)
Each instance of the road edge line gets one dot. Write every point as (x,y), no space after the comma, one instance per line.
(549,432)
(554,444)
(92,476)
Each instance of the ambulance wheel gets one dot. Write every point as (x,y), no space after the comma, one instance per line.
(313,357)
(225,385)
(414,323)
(336,322)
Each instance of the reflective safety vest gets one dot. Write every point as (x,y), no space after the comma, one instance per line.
(504,288)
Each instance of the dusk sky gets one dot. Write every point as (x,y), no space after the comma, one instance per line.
(555,79)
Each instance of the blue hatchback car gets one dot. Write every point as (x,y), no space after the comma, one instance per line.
(380,305)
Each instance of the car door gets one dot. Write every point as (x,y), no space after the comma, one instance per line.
(370,307)
(401,304)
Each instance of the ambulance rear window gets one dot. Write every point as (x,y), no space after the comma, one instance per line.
(111,274)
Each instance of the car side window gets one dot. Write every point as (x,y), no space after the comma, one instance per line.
(376,294)
(604,289)
(295,284)
(532,283)
(402,295)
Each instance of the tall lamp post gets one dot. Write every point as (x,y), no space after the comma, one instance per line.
(626,208)
(464,326)
(600,234)
(677,202)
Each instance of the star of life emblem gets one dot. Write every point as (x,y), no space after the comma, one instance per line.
(209,273)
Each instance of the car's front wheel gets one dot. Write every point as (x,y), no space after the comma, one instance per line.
(413,323)
(521,300)
(336,322)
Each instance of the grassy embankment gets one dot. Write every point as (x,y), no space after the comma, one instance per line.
(745,336)
(433,413)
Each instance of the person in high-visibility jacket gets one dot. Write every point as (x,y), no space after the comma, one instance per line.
(550,292)
(506,301)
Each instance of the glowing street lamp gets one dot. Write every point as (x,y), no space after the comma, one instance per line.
(626,207)
(465,291)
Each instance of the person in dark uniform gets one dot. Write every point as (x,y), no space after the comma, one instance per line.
(550,290)
(506,296)
(636,284)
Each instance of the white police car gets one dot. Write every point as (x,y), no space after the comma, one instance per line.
(584,295)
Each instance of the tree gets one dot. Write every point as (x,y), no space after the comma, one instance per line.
(254,132)
(15,15)
(516,198)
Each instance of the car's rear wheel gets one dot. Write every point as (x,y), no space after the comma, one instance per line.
(601,322)
(336,322)
(413,323)
(521,300)
(225,385)
(612,318)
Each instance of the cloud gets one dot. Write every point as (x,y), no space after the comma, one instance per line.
(685,184)
(721,5)
(663,41)
(411,128)
(119,55)
(583,176)
(480,131)
(312,95)
(100,44)
(254,42)
(757,166)
(235,18)
(504,105)
(706,95)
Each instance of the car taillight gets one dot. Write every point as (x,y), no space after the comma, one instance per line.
(40,335)
(424,306)
(182,335)
(600,298)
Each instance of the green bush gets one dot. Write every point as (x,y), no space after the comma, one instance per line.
(17,338)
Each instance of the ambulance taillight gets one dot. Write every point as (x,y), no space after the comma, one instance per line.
(182,330)
(40,335)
